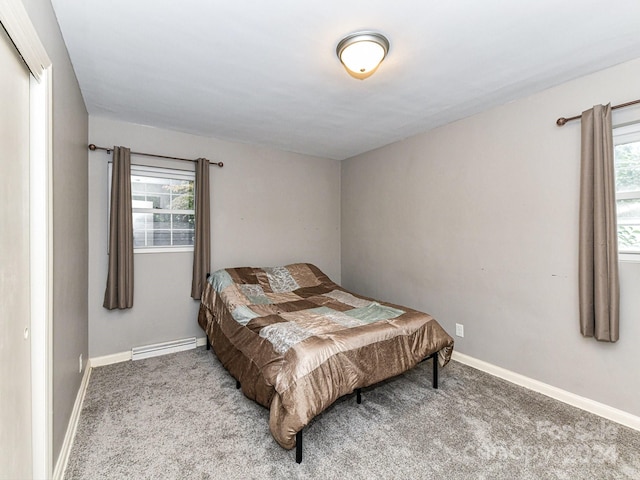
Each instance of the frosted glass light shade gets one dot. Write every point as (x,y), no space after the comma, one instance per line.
(361,53)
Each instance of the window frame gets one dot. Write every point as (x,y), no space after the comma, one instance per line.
(157,172)
(623,134)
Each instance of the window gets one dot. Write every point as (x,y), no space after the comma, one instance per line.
(163,208)
(626,141)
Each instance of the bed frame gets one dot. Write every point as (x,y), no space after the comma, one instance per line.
(434,383)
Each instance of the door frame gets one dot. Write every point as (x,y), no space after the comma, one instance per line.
(16,22)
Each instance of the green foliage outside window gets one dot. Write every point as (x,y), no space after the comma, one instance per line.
(627,167)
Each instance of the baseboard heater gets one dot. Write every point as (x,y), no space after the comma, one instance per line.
(146,351)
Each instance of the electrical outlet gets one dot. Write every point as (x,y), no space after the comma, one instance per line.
(459,330)
(80,364)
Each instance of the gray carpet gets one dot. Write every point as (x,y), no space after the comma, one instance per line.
(180,416)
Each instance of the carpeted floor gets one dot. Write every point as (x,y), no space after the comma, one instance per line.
(180,416)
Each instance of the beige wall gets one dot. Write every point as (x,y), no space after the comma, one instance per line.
(69,221)
(477,223)
(268,208)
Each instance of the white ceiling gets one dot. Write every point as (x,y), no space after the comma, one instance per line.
(266,72)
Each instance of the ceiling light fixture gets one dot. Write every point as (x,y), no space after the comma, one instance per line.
(362,52)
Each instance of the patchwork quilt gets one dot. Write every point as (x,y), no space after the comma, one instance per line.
(296,341)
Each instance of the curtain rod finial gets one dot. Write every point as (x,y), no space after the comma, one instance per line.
(561,121)
(92,147)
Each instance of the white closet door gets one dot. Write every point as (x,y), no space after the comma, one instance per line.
(15,351)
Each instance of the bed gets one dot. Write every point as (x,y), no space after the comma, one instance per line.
(296,342)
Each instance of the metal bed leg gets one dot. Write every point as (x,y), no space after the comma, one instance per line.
(358,396)
(434,356)
(237,384)
(299,447)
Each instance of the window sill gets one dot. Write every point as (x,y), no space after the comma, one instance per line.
(163,250)
(629,257)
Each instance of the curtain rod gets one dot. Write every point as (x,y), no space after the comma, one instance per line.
(93,147)
(561,121)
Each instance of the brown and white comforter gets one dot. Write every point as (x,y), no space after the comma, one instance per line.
(296,341)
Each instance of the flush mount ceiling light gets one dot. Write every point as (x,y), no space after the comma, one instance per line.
(362,52)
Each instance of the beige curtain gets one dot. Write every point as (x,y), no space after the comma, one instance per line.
(202,242)
(598,253)
(119,291)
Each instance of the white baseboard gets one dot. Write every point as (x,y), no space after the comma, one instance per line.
(70,434)
(600,409)
(109,359)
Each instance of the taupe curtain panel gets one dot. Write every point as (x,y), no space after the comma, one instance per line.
(202,242)
(119,291)
(598,252)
